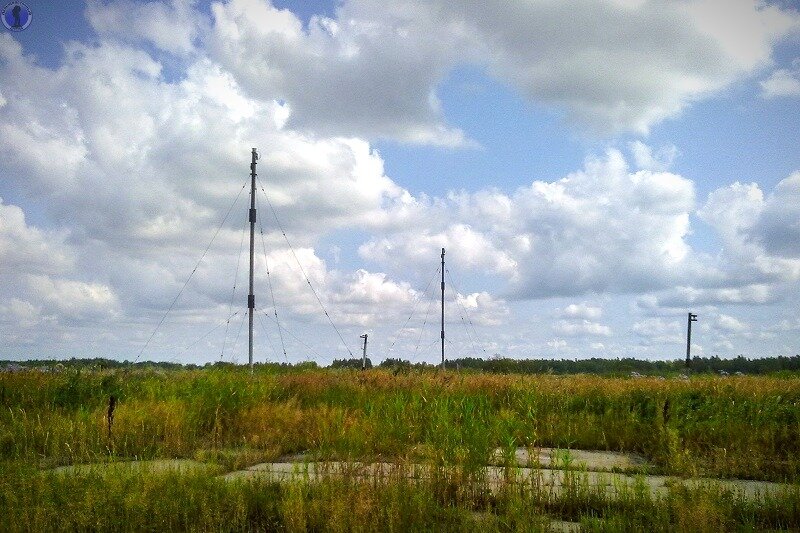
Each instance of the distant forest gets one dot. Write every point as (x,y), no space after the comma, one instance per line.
(770,365)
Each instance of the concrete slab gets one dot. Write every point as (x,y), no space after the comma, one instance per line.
(156,465)
(563,526)
(495,478)
(571,459)
(549,480)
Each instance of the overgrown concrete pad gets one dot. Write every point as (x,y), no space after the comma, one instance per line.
(563,526)
(155,465)
(577,459)
(495,478)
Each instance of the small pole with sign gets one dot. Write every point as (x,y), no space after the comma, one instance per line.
(692,318)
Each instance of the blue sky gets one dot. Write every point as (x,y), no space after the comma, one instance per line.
(593,180)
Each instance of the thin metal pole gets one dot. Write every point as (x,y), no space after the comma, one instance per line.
(364,355)
(692,318)
(442,308)
(251,298)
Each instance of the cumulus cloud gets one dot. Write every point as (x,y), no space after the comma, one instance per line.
(482,308)
(778,227)
(140,172)
(581,310)
(730,324)
(577,55)
(28,249)
(759,233)
(464,246)
(603,228)
(785,325)
(660,331)
(373,69)
(753,294)
(170,26)
(39,281)
(580,320)
(782,82)
(557,343)
(579,328)
(353,75)
(647,159)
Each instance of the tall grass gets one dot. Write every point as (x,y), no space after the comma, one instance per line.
(152,500)
(722,426)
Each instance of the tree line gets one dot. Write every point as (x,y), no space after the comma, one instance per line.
(496,365)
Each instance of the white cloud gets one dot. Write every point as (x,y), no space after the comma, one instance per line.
(557,343)
(782,82)
(20,314)
(732,210)
(373,76)
(660,331)
(73,299)
(171,26)
(579,328)
(580,57)
(27,249)
(759,233)
(778,227)
(785,325)
(754,294)
(381,63)
(646,159)
(544,238)
(162,162)
(725,345)
(580,320)
(38,280)
(482,308)
(582,310)
(464,246)
(162,159)
(730,324)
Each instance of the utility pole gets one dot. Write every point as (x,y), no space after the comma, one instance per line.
(251,298)
(692,318)
(364,355)
(442,308)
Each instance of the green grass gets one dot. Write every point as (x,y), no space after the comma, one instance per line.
(744,427)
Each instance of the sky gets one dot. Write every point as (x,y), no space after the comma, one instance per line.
(595,170)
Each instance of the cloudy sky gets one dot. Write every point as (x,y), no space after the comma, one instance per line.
(594,168)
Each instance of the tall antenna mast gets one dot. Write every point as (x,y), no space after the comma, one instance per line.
(442,308)
(251,298)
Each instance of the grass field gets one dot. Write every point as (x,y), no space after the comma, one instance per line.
(719,427)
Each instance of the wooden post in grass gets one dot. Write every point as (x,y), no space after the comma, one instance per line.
(112,404)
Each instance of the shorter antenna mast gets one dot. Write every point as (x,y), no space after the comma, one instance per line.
(364,355)
(442,308)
